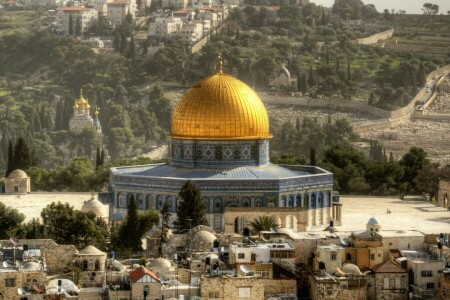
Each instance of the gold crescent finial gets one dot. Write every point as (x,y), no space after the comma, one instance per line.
(81,93)
(219,63)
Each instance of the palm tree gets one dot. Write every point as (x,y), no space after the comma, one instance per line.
(263,223)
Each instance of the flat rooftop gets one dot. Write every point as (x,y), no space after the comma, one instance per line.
(408,215)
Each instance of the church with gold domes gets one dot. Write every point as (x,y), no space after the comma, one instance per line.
(220,141)
(81,116)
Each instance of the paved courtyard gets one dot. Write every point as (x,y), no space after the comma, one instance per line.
(32,204)
(404,214)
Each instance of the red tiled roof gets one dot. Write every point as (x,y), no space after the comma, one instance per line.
(181,11)
(388,267)
(141,272)
(74,8)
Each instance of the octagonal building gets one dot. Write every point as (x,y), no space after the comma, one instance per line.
(220,141)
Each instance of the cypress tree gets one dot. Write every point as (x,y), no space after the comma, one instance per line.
(337,64)
(191,209)
(102,157)
(349,75)
(311,79)
(22,155)
(391,157)
(11,163)
(297,124)
(312,157)
(303,84)
(421,78)
(116,42)
(98,159)
(132,49)
(70,25)
(78,27)
(123,44)
(129,231)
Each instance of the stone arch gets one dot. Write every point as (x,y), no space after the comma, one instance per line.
(120,199)
(140,202)
(85,265)
(97,265)
(206,203)
(313,200)
(237,225)
(160,201)
(218,205)
(148,201)
(320,199)
(291,222)
(246,202)
(129,194)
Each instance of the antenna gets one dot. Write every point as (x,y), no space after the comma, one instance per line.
(5,264)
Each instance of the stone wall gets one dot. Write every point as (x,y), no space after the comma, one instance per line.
(375,38)
(444,194)
(17,280)
(393,292)
(273,287)
(226,288)
(199,45)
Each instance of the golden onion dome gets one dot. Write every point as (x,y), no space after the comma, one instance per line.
(220,107)
(81,102)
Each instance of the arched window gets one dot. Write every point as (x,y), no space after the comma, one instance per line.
(97,265)
(85,265)
(120,199)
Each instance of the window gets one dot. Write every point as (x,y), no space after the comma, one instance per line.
(398,283)
(386,283)
(333,256)
(372,256)
(16,188)
(213,295)
(244,292)
(427,273)
(263,273)
(241,255)
(10,282)
(329,291)
(253,257)
(430,285)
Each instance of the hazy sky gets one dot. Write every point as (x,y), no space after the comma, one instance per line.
(411,6)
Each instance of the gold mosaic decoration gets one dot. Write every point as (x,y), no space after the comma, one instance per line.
(220,107)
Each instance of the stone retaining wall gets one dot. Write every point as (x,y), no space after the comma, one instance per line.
(373,39)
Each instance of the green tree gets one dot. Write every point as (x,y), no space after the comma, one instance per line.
(430,9)
(32,230)
(134,227)
(303,84)
(11,163)
(78,26)
(128,233)
(412,162)
(22,155)
(263,223)
(312,157)
(10,219)
(191,209)
(66,225)
(70,25)
(163,237)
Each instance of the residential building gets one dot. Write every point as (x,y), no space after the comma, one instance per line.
(226,288)
(40,3)
(175,4)
(425,271)
(117,11)
(87,17)
(444,194)
(391,281)
(145,284)
(163,27)
(332,256)
(190,32)
(350,284)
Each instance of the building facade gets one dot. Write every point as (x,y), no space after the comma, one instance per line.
(220,141)
(87,18)
(444,194)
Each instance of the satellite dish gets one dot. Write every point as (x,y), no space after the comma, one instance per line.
(5,264)
(244,269)
(20,291)
(14,241)
(344,242)
(37,288)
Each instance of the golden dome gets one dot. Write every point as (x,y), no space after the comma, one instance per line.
(81,102)
(220,107)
